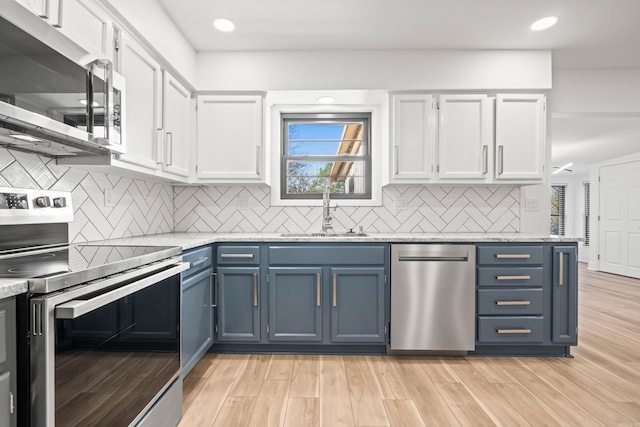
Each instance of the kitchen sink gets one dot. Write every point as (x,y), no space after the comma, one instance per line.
(345,234)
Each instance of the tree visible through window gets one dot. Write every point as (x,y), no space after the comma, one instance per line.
(557,210)
(321,147)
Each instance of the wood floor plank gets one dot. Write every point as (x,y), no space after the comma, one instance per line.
(490,369)
(463,405)
(530,408)
(430,404)
(236,411)
(403,413)
(488,397)
(208,402)
(302,412)
(251,376)
(388,377)
(271,405)
(280,367)
(366,401)
(305,381)
(335,404)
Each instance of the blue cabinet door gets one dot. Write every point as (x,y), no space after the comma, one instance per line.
(238,304)
(197,318)
(295,304)
(564,296)
(357,305)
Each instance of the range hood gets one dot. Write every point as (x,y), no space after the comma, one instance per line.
(55,101)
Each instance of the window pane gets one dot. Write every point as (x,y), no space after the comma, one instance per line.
(309,177)
(311,139)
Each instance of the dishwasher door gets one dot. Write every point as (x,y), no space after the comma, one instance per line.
(433,297)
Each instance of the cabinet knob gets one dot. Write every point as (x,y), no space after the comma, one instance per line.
(43,201)
(59,202)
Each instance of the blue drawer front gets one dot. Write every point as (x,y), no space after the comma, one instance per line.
(510,255)
(327,255)
(511,276)
(199,259)
(521,329)
(238,255)
(510,302)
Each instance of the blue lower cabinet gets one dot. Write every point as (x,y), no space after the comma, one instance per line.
(358,305)
(238,304)
(197,318)
(564,295)
(295,304)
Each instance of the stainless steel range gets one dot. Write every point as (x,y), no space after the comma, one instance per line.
(99,329)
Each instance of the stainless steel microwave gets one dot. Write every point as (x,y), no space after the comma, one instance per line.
(53,105)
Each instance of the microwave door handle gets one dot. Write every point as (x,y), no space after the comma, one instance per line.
(76,308)
(108,90)
(89,97)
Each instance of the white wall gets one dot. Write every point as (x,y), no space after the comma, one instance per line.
(385,70)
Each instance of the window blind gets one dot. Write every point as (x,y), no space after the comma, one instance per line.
(558,209)
(587,211)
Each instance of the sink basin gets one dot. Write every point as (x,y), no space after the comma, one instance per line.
(323,234)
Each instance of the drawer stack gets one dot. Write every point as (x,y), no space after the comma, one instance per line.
(510,294)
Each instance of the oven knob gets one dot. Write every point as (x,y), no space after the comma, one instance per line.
(43,202)
(59,202)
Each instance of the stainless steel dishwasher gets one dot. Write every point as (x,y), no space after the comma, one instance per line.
(433,297)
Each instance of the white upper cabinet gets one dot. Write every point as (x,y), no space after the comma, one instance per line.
(413,138)
(520,137)
(464,137)
(176,126)
(85,24)
(49,10)
(230,138)
(143,108)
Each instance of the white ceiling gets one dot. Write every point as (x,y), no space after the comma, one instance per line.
(590,34)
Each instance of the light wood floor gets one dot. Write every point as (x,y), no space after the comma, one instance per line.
(599,387)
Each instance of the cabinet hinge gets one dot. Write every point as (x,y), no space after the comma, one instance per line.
(598,179)
(385,278)
(598,217)
(438,168)
(216,328)
(437,105)
(385,330)
(544,105)
(11,406)
(267,279)
(116,44)
(576,331)
(598,256)
(267,328)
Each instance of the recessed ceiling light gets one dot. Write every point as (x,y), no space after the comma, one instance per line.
(544,23)
(326,100)
(224,24)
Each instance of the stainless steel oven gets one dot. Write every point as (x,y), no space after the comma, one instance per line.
(99,329)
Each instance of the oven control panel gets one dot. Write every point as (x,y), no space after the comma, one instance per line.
(29,206)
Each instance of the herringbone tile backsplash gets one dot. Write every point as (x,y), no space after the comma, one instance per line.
(146,207)
(141,207)
(429,209)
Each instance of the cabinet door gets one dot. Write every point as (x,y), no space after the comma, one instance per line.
(464,134)
(229,139)
(143,109)
(295,304)
(238,304)
(564,321)
(176,106)
(520,136)
(48,10)
(413,136)
(357,305)
(85,24)
(197,318)
(7,362)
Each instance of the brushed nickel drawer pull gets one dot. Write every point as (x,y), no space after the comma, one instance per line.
(335,286)
(318,290)
(513,302)
(215,290)
(513,256)
(561,272)
(255,290)
(201,261)
(514,331)
(526,277)
(247,256)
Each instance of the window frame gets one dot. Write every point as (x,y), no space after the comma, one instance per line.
(562,209)
(327,117)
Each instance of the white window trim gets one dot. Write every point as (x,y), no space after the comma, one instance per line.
(379,139)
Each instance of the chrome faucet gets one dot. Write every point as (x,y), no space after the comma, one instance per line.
(326,208)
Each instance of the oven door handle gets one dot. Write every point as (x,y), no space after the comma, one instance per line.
(76,308)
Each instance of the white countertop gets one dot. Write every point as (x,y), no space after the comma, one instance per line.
(192,240)
(12,287)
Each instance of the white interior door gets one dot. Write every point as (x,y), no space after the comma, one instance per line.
(619,239)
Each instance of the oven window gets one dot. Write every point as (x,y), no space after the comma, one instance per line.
(111,362)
